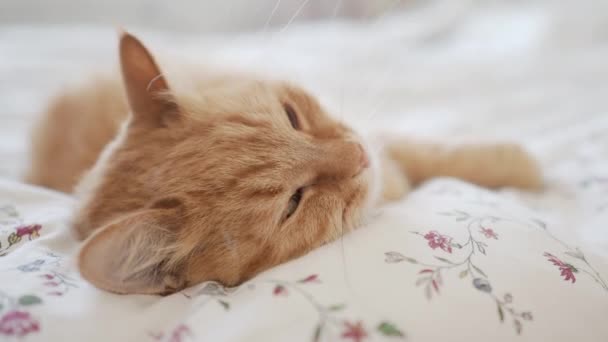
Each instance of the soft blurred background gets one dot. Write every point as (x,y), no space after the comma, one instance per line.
(533,71)
(191,15)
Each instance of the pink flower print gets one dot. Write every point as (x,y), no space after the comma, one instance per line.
(279,290)
(313,278)
(18,323)
(355,332)
(567,270)
(437,240)
(178,334)
(32,231)
(489,233)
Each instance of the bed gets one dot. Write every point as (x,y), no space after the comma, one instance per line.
(451,262)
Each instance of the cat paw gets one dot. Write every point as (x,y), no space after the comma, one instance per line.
(524,171)
(394,183)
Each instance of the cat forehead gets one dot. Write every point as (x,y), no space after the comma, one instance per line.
(240,95)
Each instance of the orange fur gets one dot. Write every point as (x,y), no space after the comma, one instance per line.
(196,184)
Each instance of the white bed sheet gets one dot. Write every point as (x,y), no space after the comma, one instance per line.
(534,73)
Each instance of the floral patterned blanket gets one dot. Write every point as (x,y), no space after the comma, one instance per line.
(452,262)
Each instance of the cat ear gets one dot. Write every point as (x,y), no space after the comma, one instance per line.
(145,84)
(131,255)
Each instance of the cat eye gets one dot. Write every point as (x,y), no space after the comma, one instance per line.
(291,114)
(293,204)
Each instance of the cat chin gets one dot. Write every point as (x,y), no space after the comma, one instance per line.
(357,214)
(371,176)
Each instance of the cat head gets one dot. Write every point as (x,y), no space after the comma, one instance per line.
(219,183)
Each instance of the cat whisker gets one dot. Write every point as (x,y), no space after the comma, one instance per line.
(376,108)
(343,254)
(388,10)
(274,10)
(337,8)
(231,244)
(376,91)
(156,78)
(376,88)
(296,13)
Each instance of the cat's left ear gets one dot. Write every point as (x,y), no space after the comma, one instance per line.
(133,254)
(146,86)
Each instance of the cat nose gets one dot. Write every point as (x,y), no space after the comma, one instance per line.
(363,158)
(340,160)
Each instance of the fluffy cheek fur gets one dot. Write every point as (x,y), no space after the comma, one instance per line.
(239,251)
(236,227)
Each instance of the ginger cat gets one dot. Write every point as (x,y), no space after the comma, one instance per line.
(226,180)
